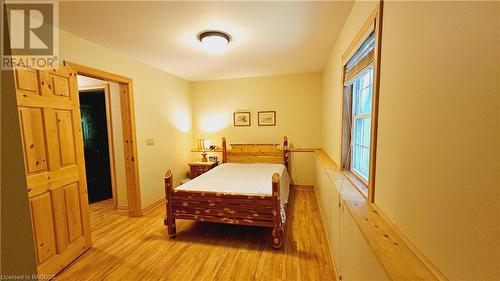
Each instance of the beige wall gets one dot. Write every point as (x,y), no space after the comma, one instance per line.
(17,254)
(332,81)
(162,112)
(437,169)
(294,97)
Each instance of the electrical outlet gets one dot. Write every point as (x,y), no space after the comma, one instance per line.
(150,142)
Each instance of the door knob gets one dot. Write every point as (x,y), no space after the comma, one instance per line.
(29,189)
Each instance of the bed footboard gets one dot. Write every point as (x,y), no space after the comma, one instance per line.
(277,225)
(169,220)
(228,208)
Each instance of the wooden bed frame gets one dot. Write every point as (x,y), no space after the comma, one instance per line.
(232,208)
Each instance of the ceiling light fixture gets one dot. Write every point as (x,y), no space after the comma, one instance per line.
(214,41)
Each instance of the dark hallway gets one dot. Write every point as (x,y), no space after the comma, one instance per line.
(95,142)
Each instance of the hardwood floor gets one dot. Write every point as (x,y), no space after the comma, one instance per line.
(127,248)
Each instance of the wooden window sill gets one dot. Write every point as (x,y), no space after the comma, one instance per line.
(303,149)
(360,186)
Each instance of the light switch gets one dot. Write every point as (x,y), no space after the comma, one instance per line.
(150,142)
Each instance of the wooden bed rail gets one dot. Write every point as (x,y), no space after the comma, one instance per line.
(229,208)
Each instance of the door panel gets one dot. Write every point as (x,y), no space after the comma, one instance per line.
(65,137)
(73,210)
(53,148)
(33,139)
(60,86)
(60,219)
(43,226)
(52,135)
(55,83)
(27,80)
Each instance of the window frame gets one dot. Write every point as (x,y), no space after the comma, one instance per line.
(355,91)
(372,24)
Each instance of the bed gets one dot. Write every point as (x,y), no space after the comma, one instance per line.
(250,187)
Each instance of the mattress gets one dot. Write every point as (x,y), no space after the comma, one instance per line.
(241,178)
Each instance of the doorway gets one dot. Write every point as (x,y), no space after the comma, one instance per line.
(96,144)
(125,143)
(102,134)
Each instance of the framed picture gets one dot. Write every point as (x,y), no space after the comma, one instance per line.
(267,118)
(241,119)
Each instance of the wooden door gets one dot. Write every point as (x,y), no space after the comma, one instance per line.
(51,134)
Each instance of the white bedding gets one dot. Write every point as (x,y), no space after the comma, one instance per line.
(240,178)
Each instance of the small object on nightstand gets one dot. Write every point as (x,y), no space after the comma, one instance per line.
(198,168)
(204,157)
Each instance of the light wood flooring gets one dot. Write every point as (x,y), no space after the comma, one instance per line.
(127,248)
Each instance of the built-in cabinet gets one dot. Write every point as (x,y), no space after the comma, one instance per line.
(352,255)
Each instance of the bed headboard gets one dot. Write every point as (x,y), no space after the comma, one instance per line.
(256,153)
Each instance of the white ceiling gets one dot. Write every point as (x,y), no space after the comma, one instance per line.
(268,37)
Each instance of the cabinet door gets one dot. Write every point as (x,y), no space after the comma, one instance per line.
(49,115)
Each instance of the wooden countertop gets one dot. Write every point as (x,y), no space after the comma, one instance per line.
(200,163)
(295,149)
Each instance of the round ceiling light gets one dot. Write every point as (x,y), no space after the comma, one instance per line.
(214,41)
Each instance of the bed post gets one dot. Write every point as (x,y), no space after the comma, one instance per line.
(277,230)
(224,150)
(169,220)
(285,152)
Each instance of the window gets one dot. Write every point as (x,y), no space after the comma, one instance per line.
(359,106)
(362,93)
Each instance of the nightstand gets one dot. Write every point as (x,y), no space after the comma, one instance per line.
(198,168)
